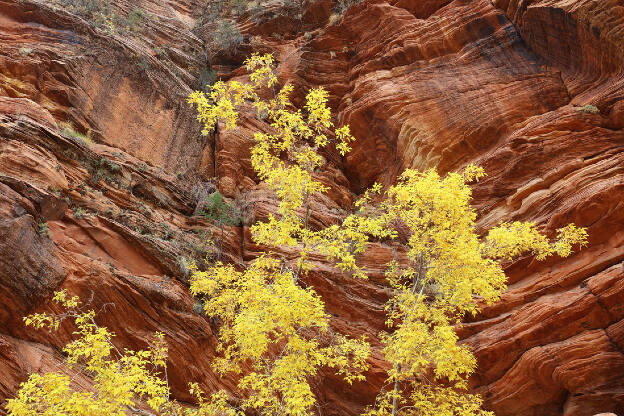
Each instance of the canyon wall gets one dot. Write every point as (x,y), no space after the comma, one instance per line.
(532,90)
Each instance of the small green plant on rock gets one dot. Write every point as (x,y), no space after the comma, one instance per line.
(184,266)
(294,9)
(222,213)
(160,52)
(589,109)
(255,9)
(198,307)
(135,19)
(217,209)
(79,212)
(200,249)
(67,129)
(239,7)
(166,233)
(206,78)
(226,36)
(103,169)
(44,230)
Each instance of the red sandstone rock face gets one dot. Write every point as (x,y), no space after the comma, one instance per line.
(432,83)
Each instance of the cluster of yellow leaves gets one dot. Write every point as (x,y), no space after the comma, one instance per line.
(449,270)
(508,241)
(449,267)
(267,318)
(120,379)
(280,329)
(274,333)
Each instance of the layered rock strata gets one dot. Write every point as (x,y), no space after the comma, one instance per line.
(532,90)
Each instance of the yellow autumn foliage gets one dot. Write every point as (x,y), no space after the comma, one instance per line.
(449,269)
(120,379)
(448,272)
(274,334)
(268,320)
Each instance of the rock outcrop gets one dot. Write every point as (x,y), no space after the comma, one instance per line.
(532,90)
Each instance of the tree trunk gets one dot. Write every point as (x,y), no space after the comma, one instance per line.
(395,396)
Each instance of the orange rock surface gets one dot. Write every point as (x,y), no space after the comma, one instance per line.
(506,84)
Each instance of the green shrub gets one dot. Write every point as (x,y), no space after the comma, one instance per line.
(217,209)
(184,266)
(589,109)
(160,53)
(206,78)
(143,63)
(135,19)
(210,10)
(79,212)
(44,230)
(238,7)
(103,169)
(339,9)
(67,129)
(293,8)
(226,36)
(255,9)
(166,233)
(198,307)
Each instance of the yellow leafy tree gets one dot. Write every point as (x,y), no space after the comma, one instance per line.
(120,379)
(448,272)
(449,269)
(124,381)
(274,333)
(285,158)
(268,321)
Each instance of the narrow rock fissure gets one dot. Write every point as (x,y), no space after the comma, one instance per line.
(601,305)
(565,87)
(607,311)
(612,342)
(242,240)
